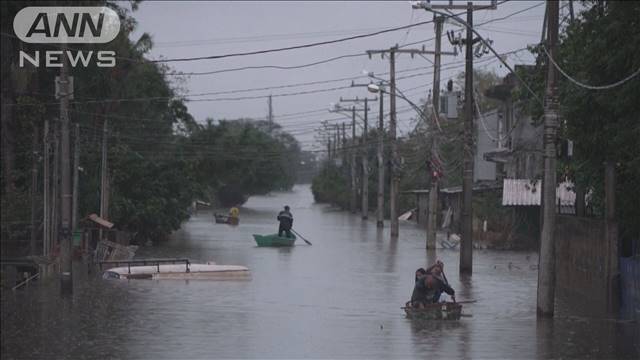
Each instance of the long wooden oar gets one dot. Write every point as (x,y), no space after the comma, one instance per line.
(305,240)
(467,301)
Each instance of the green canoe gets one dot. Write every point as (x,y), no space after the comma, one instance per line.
(274,240)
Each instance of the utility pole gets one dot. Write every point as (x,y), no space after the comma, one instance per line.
(104,182)
(344,144)
(365,153)
(337,142)
(365,164)
(55,188)
(354,195)
(76,177)
(46,198)
(380,207)
(66,280)
(270,116)
(395,161)
(34,190)
(433,192)
(466,246)
(466,243)
(329,148)
(547,260)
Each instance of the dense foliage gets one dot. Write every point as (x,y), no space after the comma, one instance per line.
(600,47)
(160,158)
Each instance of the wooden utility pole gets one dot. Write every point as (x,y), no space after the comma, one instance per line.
(365,164)
(104,181)
(344,144)
(66,280)
(337,142)
(395,161)
(466,243)
(354,190)
(270,115)
(55,189)
(364,149)
(76,177)
(611,237)
(34,190)
(380,207)
(46,194)
(433,192)
(547,260)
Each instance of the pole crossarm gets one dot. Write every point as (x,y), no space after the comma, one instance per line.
(412,52)
(358,100)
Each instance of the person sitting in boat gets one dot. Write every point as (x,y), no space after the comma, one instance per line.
(234,212)
(428,288)
(419,296)
(437,270)
(286,222)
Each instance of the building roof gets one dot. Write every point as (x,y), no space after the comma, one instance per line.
(477,186)
(527,192)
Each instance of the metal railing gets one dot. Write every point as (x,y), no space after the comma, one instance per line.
(143,262)
(26,281)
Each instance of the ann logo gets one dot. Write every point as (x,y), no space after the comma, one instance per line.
(41,25)
(66,24)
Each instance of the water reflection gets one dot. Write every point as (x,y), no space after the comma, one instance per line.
(339,298)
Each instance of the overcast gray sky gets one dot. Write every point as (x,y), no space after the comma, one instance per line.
(199,28)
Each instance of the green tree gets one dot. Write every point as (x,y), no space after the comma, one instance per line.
(600,47)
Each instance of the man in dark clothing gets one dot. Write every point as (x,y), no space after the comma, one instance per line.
(429,285)
(437,271)
(419,296)
(286,222)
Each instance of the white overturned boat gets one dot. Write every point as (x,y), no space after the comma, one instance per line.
(158,269)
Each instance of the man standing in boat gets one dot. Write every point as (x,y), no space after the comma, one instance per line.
(286,221)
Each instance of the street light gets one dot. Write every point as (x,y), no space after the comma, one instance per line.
(374,88)
(421,4)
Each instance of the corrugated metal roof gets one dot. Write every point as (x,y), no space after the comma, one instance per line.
(526,192)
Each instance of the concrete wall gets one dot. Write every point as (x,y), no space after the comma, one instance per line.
(583,259)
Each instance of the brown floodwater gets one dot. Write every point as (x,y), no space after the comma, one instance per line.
(339,298)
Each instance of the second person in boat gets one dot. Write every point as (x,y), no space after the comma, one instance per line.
(286,222)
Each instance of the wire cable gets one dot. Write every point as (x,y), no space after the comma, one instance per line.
(586,86)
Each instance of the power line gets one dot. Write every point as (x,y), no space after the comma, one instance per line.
(586,86)
(359,54)
(295,47)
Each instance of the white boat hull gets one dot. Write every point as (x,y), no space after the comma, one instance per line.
(179,272)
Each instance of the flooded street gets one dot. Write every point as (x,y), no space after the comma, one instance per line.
(339,298)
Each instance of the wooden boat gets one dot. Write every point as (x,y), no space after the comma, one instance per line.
(207,271)
(225,219)
(437,311)
(274,240)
